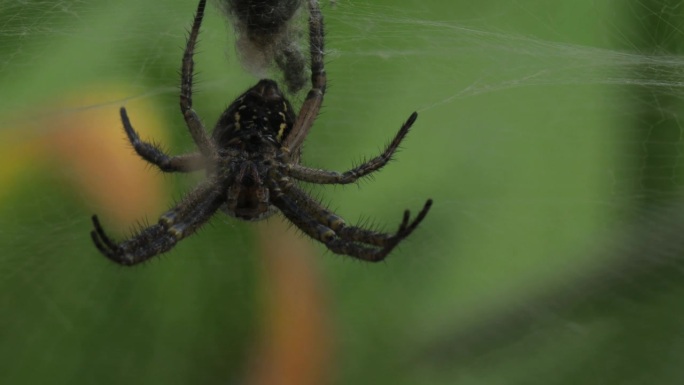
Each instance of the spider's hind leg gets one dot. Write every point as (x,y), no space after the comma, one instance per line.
(314,98)
(195,126)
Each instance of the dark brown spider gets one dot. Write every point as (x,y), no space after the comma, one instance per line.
(252,162)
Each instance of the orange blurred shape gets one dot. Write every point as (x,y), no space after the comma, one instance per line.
(295,345)
(88,147)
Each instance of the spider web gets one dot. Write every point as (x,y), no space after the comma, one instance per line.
(549,136)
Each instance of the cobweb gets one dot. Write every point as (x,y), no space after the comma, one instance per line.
(549,136)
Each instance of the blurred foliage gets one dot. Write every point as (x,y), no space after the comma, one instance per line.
(552,254)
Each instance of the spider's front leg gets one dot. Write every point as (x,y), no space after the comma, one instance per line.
(184,219)
(328,228)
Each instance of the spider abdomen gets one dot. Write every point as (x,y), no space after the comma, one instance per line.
(260,117)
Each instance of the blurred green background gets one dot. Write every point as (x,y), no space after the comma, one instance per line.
(549,136)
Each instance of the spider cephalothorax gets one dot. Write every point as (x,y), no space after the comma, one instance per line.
(252,166)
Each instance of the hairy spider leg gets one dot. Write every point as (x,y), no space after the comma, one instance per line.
(322,224)
(312,175)
(312,104)
(353,233)
(153,154)
(179,222)
(197,129)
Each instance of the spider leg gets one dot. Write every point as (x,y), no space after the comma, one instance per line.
(153,154)
(174,225)
(197,130)
(313,175)
(312,104)
(325,226)
(337,224)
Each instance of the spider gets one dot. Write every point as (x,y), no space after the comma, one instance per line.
(251,162)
